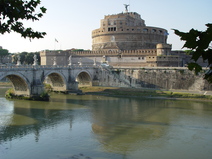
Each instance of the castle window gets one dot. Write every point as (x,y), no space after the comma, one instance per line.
(145,30)
(132,29)
(154,30)
(112,29)
(139,58)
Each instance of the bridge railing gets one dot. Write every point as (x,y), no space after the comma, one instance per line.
(31,67)
(24,67)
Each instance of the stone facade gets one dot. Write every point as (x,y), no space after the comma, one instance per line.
(123,41)
(126,31)
(126,58)
(169,78)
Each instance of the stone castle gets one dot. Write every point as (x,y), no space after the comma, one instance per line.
(123,40)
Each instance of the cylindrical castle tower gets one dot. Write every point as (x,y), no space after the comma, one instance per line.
(126,31)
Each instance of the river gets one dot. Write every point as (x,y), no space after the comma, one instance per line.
(100,127)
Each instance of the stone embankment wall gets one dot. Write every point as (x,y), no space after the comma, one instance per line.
(172,79)
(158,78)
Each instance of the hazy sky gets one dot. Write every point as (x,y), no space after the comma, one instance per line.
(72,21)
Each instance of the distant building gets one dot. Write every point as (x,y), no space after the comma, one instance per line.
(126,31)
(123,40)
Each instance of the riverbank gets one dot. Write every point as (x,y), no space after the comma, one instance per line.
(146,93)
(140,92)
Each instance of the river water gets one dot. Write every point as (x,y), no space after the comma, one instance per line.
(98,127)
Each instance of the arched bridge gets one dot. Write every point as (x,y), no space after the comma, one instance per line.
(28,80)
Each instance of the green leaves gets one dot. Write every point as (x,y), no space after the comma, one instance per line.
(3,53)
(194,66)
(43,10)
(208,75)
(200,44)
(27,57)
(12,12)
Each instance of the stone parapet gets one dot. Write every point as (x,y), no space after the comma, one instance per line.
(100,53)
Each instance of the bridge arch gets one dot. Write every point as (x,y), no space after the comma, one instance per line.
(20,84)
(84,78)
(57,81)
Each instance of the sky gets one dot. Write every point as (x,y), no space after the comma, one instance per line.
(71,22)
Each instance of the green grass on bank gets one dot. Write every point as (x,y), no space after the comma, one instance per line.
(142,93)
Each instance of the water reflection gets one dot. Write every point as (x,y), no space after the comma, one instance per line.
(137,126)
(105,127)
(131,126)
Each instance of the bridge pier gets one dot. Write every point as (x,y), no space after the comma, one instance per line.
(73,86)
(37,90)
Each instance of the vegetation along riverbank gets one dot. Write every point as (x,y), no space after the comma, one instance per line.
(135,92)
(145,93)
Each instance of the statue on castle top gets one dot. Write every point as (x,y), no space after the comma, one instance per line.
(126,7)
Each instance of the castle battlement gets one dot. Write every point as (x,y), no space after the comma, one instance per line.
(101,53)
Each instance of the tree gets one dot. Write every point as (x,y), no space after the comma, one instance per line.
(27,58)
(200,43)
(188,52)
(3,54)
(13,12)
